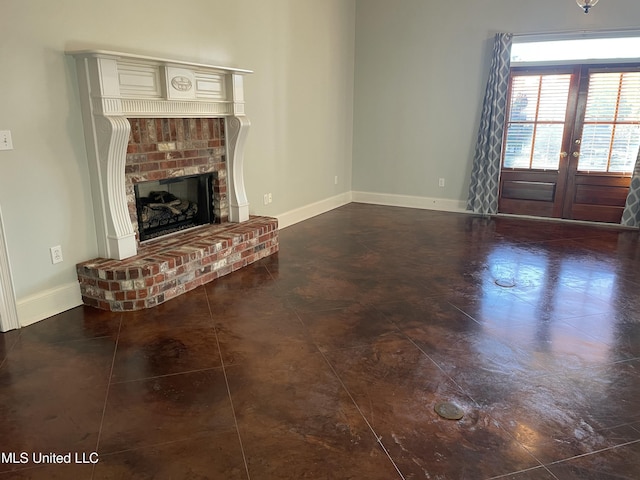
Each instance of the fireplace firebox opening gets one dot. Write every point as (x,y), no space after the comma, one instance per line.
(174,204)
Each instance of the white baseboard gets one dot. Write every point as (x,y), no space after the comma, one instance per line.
(427,203)
(56,300)
(409,201)
(50,302)
(303,213)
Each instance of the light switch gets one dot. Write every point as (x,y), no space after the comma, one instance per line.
(5,140)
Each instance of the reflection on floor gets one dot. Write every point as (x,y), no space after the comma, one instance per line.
(325,361)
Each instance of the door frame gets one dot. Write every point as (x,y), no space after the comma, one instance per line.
(8,308)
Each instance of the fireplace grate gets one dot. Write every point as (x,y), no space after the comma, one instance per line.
(150,235)
(175,204)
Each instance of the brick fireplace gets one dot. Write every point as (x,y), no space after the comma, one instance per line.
(148,119)
(163,148)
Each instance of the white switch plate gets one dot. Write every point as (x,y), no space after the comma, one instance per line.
(5,140)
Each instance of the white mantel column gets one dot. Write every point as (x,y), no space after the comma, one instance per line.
(237,130)
(237,127)
(106,137)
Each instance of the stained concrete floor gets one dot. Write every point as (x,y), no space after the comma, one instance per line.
(326,360)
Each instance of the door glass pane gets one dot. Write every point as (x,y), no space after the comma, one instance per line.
(554,92)
(546,153)
(518,145)
(536,121)
(594,154)
(624,151)
(611,130)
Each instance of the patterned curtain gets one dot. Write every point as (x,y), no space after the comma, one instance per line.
(485,174)
(631,214)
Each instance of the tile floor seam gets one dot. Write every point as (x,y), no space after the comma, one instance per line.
(595,452)
(465,313)
(375,434)
(550,472)
(298,311)
(161,444)
(545,465)
(518,472)
(344,387)
(226,380)
(184,372)
(106,397)
(70,340)
(451,379)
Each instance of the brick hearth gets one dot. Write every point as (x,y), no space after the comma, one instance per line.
(176,264)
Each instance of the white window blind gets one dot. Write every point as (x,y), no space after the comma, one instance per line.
(611,129)
(536,121)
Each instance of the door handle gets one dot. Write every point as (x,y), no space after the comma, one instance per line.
(576,154)
(564,154)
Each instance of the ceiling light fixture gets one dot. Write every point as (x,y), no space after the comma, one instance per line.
(586,4)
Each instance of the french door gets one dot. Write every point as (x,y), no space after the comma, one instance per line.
(571,142)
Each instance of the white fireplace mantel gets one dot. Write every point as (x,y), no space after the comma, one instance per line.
(116,86)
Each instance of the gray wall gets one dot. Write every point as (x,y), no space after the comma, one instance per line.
(299,100)
(421,69)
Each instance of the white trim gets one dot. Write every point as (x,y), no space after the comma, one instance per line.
(303,213)
(590,223)
(410,201)
(574,35)
(8,311)
(591,61)
(48,303)
(146,58)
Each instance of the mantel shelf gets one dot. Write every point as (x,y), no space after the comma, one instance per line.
(150,59)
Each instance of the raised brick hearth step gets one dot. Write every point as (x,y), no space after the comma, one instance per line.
(171,266)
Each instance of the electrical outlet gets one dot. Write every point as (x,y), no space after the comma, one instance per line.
(5,140)
(265,199)
(270,198)
(335,180)
(441,182)
(56,254)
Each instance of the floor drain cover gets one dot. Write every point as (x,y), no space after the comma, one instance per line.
(449,411)
(505,282)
